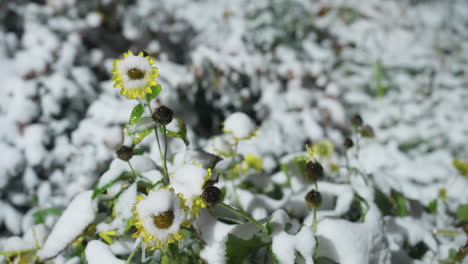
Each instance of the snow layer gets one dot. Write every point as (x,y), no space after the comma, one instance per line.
(98,252)
(79,214)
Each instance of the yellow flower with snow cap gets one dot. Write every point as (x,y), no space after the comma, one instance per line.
(188,181)
(159,218)
(135,75)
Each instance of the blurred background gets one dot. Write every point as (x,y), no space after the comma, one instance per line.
(299,68)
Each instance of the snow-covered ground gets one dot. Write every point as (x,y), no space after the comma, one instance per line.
(300,70)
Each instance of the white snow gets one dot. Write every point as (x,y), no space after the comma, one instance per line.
(98,252)
(239,125)
(79,214)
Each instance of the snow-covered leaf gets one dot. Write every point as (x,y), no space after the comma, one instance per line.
(79,214)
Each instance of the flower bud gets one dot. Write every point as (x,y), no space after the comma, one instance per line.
(124,153)
(162,115)
(356,121)
(367,131)
(313,199)
(348,143)
(313,171)
(211,195)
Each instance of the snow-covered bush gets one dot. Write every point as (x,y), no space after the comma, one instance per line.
(234,138)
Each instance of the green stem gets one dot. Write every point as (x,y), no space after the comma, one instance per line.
(314,223)
(20,252)
(446,232)
(131,168)
(132,253)
(163,159)
(165,153)
(243,214)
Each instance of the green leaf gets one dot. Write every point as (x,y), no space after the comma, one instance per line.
(98,191)
(462,212)
(138,151)
(238,249)
(384,202)
(139,130)
(418,251)
(432,206)
(401,204)
(136,114)
(155,90)
(395,205)
(461,166)
(39,216)
(177,130)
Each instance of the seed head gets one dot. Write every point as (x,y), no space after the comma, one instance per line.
(348,143)
(164,220)
(135,74)
(313,199)
(313,171)
(124,153)
(162,115)
(356,121)
(367,131)
(211,195)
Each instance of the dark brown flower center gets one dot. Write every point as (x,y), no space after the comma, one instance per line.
(135,74)
(164,220)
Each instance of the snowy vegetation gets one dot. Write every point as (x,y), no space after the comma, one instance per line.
(270,131)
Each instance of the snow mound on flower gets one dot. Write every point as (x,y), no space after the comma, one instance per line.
(78,215)
(239,125)
(188,180)
(98,252)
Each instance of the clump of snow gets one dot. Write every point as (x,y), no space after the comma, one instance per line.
(188,180)
(98,252)
(239,125)
(79,214)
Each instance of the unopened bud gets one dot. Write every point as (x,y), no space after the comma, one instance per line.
(162,115)
(367,131)
(356,121)
(313,171)
(348,143)
(313,199)
(124,153)
(211,195)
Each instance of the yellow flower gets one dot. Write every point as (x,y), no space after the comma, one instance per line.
(323,148)
(159,218)
(135,75)
(188,181)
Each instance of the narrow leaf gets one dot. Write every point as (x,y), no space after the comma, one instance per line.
(155,90)
(136,114)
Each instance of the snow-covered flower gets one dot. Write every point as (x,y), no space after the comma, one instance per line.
(188,181)
(159,218)
(222,145)
(135,74)
(240,126)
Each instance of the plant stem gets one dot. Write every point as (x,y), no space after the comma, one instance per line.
(9,253)
(243,214)
(446,232)
(165,153)
(131,168)
(161,156)
(314,223)
(133,252)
